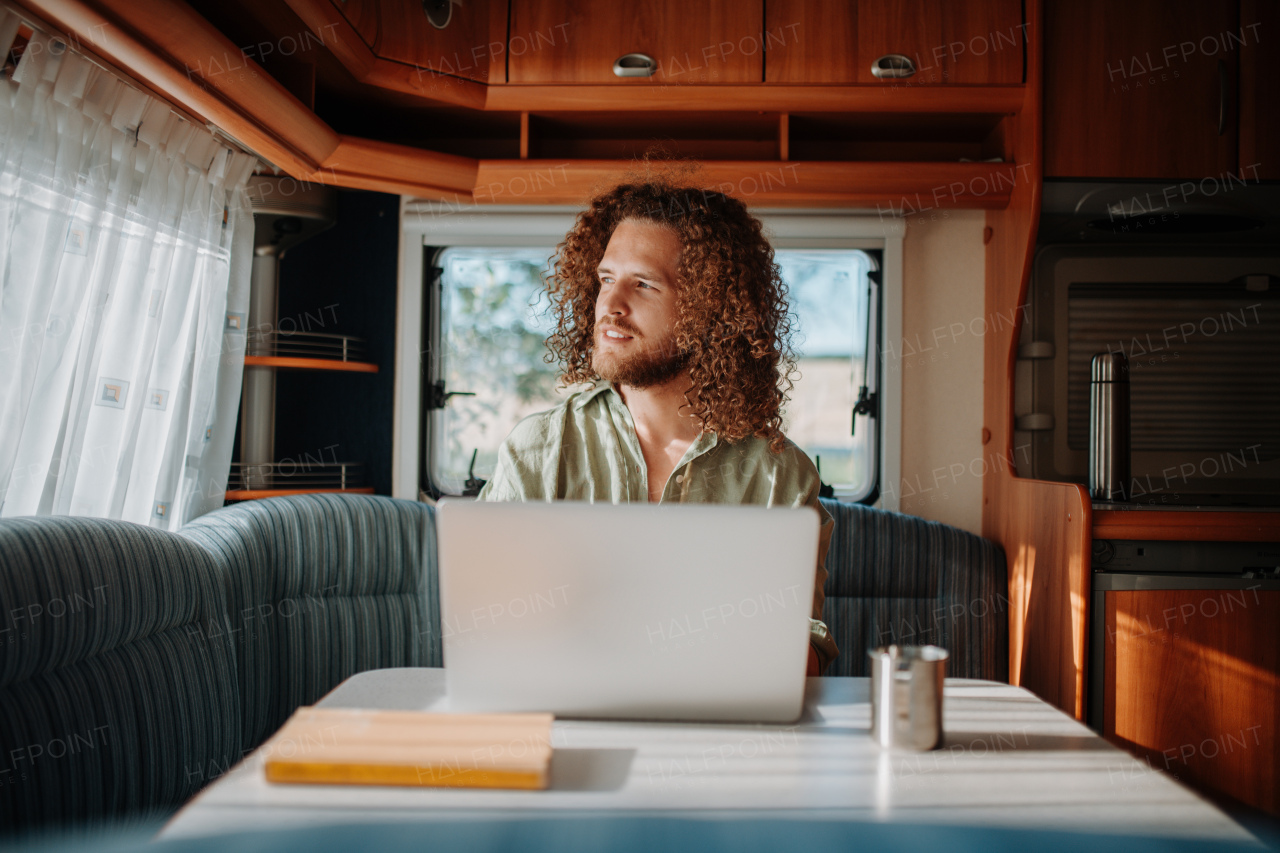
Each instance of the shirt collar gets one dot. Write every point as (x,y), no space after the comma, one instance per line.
(705,441)
(587,396)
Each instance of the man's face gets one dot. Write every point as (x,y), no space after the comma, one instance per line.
(636,307)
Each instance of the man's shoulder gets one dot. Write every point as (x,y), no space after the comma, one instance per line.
(796,473)
(754,473)
(536,429)
(790,457)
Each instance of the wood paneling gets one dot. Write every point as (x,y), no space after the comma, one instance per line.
(1132,89)
(351,49)
(352,44)
(1043,527)
(473,45)
(577,41)
(383,166)
(1193,684)
(780,98)
(362,15)
(812,41)
(1187,526)
(151,38)
(1260,90)
(966,43)
(323,18)
(762,183)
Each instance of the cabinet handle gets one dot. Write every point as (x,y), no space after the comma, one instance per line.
(634,65)
(1222,97)
(439,12)
(893,65)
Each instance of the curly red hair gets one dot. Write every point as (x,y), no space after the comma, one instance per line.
(734,326)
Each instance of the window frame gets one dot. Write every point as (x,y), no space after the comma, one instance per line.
(427,227)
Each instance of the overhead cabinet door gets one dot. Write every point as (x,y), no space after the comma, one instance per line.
(669,42)
(453,39)
(363,17)
(903,42)
(1142,89)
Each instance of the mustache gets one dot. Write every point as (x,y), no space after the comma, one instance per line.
(620,327)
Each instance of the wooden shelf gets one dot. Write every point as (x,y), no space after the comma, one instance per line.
(288,363)
(879,98)
(258,494)
(1174,526)
(889,186)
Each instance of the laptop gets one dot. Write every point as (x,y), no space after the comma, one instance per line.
(634,611)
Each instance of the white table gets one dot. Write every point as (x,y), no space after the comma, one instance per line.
(1009,760)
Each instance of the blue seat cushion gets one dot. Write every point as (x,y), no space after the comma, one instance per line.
(895,578)
(321,587)
(112,702)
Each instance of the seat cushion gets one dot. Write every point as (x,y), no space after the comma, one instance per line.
(321,587)
(895,578)
(112,700)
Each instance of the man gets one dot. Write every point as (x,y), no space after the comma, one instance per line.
(668,299)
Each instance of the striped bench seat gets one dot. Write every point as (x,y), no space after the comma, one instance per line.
(136,665)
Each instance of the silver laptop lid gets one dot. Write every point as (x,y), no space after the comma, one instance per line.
(658,611)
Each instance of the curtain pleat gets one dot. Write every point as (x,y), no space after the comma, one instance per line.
(125,253)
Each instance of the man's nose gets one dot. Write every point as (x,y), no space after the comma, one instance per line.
(612,302)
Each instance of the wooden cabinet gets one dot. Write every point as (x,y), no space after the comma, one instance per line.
(1260,91)
(1141,89)
(692,41)
(1192,683)
(472,45)
(362,15)
(812,41)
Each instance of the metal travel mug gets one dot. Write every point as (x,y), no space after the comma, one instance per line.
(1109,427)
(906,696)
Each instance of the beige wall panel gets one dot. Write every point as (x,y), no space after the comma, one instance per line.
(941,353)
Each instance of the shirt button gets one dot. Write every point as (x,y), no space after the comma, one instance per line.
(679,478)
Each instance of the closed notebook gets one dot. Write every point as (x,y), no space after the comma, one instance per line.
(341,746)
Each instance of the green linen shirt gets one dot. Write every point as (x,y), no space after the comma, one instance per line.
(586,449)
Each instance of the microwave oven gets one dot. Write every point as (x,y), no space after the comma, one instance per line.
(1200,325)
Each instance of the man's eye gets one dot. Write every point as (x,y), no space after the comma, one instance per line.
(644,284)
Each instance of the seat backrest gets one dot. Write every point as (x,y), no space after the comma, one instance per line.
(894,578)
(113,702)
(321,587)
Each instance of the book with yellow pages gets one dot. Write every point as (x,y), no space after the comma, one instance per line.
(342,746)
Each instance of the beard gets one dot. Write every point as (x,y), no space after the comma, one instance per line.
(654,364)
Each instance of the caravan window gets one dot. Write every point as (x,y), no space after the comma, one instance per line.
(490,320)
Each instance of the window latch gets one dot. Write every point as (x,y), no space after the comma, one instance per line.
(474,484)
(438,396)
(868,404)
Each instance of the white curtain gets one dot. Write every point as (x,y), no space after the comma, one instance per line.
(125,249)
